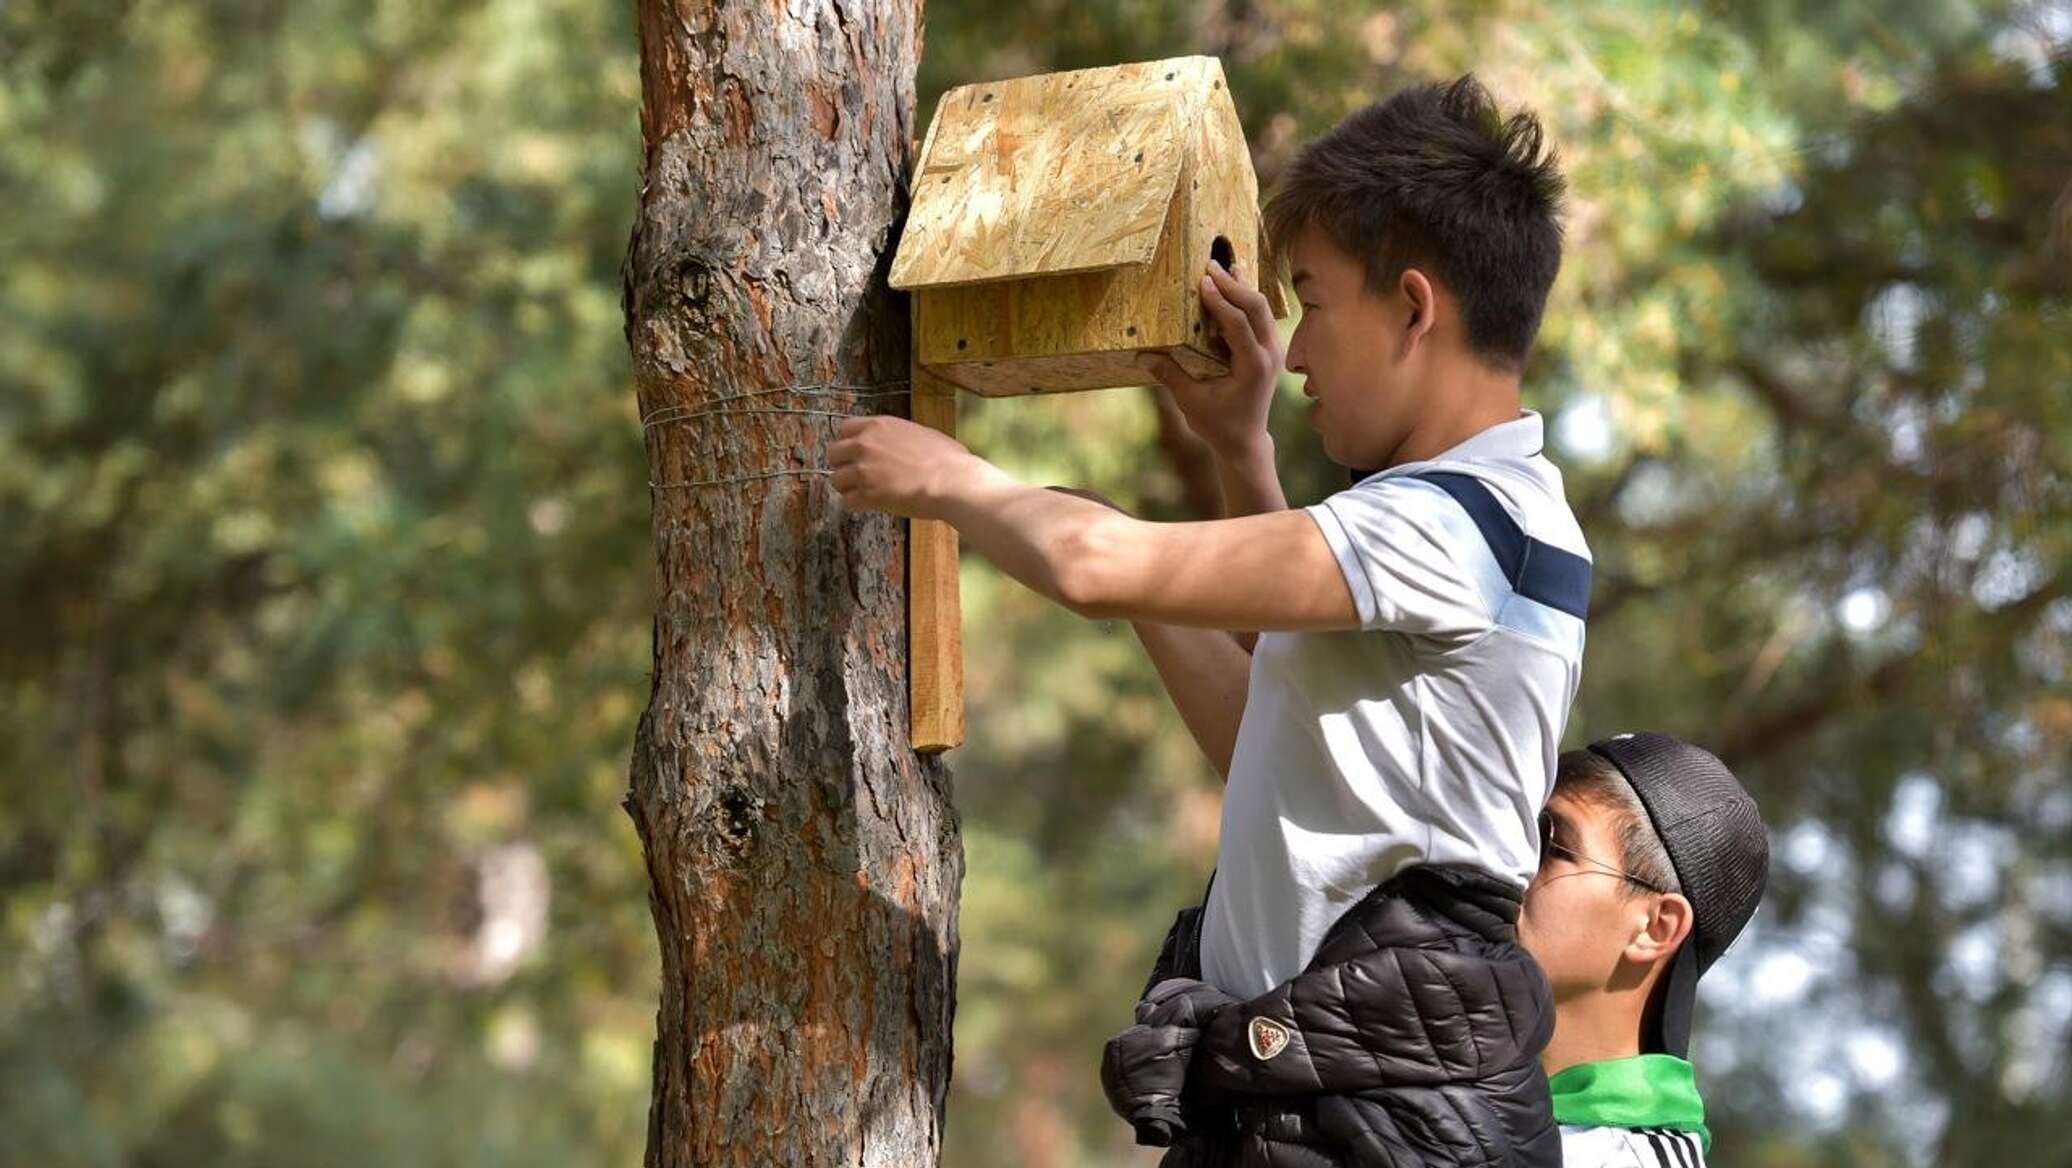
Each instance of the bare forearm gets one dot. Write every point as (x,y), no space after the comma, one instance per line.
(1251,484)
(1206,674)
(1271,571)
(1029,533)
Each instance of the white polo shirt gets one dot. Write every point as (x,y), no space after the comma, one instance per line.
(1429,734)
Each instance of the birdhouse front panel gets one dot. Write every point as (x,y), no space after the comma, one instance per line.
(1061,223)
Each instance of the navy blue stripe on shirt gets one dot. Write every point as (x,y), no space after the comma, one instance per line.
(1537,571)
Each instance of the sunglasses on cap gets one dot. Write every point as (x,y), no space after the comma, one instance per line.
(1549,846)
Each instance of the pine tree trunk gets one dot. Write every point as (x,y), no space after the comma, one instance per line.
(804,861)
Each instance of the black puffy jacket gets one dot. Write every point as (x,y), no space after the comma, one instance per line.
(1412,1038)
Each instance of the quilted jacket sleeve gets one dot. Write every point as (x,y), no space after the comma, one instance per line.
(1144,1069)
(1392,1016)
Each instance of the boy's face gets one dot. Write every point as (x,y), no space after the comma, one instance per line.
(1364,375)
(1580,920)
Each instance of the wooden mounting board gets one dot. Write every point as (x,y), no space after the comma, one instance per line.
(935,610)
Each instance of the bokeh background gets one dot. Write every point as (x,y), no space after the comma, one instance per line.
(325,576)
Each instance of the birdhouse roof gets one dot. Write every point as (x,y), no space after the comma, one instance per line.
(1062,172)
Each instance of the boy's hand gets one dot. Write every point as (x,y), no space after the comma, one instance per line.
(891,464)
(1228,412)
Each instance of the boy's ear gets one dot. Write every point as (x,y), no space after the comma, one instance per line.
(1417,292)
(1667,927)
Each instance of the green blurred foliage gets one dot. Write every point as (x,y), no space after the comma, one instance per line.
(325,576)
(327,591)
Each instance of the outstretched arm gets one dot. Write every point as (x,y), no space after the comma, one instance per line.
(1273,571)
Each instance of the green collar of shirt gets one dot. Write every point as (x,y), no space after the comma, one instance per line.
(1649,1090)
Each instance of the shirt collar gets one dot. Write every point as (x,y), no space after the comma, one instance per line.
(1520,438)
(1649,1090)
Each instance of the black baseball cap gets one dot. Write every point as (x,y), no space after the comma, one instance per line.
(1709,825)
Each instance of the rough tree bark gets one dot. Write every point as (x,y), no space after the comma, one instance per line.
(804,861)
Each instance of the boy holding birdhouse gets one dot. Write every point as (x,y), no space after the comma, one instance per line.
(1352,990)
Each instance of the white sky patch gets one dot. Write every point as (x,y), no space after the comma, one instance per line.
(2043,657)
(1864,609)
(1809,849)
(2031,42)
(1910,824)
(1894,887)
(2058,614)
(1824,1096)
(2054,812)
(351,189)
(1784,198)
(2007,576)
(2044,1017)
(2020,736)
(353,169)
(1781,978)
(2052,1000)
(1893,317)
(1905,430)
(1974,960)
(1875,1057)
(2049,657)
(1970,871)
(1653,495)
(1968,535)
(1584,428)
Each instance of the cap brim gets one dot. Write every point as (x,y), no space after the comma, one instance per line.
(1669,1029)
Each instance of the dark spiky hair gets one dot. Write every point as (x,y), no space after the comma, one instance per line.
(1435,177)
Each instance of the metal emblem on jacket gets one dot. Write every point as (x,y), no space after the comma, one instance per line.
(1268,1038)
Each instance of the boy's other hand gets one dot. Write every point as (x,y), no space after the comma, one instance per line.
(898,466)
(1228,412)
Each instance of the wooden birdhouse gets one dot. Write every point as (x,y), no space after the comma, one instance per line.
(1061,223)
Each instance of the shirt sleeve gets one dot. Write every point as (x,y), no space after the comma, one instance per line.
(1411,556)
